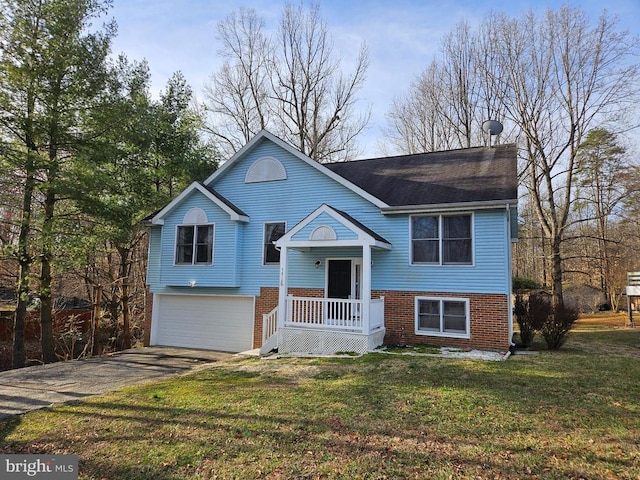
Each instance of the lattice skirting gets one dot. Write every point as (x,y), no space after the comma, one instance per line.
(302,340)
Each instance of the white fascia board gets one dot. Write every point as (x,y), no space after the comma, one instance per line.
(324,243)
(449,207)
(308,244)
(309,161)
(226,165)
(303,223)
(381,245)
(324,208)
(363,237)
(159,218)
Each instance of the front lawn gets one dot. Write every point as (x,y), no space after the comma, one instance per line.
(570,414)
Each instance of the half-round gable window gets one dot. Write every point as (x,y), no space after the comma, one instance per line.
(323,232)
(265,169)
(195,216)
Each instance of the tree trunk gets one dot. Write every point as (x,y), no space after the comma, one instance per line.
(20,316)
(24,262)
(46,298)
(557,293)
(95,321)
(125,269)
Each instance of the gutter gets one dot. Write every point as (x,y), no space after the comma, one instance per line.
(449,207)
(509,278)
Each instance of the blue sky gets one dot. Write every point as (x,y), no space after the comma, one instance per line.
(402,35)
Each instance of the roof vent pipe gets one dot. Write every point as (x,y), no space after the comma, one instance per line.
(492,127)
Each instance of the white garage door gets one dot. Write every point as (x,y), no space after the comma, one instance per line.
(204,321)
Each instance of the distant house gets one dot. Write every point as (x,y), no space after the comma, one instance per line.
(275,250)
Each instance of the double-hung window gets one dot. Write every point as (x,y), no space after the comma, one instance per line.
(194,245)
(272,232)
(442,317)
(441,239)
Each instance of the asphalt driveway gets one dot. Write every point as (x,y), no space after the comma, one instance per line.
(41,386)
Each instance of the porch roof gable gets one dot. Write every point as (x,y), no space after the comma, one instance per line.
(324,235)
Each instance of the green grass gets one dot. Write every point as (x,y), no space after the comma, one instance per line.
(412,349)
(569,414)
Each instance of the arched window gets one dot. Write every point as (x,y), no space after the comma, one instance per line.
(323,232)
(265,169)
(194,239)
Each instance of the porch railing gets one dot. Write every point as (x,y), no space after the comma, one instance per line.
(269,324)
(376,313)
(334,313)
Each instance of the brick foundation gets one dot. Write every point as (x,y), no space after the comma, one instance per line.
(488,322)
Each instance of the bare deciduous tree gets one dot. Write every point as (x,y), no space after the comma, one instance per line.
(238,94)
(308,101)
(446,105)
(561,76)
(415,123)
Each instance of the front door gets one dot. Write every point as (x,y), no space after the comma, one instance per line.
(343,282)
(339,279)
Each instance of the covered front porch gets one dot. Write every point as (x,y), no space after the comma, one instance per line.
(324,325)
(341,315)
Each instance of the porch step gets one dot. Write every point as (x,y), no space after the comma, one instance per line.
(269,344)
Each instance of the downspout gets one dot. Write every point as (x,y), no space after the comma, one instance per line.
(509,279)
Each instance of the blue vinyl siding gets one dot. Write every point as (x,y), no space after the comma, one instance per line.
(224,270)
(153,259)
(342,232)
(290,200)
(392,270)
(238,247)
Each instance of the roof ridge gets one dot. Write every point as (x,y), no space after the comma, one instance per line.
(404,155)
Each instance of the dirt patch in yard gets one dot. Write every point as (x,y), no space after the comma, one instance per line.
(290,370)
(603,320)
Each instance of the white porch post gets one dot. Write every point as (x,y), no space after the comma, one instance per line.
(283,287)
(366,287)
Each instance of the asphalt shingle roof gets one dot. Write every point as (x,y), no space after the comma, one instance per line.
(478,174)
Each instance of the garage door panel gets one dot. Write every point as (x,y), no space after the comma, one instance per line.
(207,322)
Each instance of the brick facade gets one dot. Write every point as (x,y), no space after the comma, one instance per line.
(488,322)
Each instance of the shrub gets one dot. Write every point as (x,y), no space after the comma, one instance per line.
(531,314)
(521,311)
(523,283)
(557,326)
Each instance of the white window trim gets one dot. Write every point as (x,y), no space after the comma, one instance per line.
(264,242)
(440,264)
(442,334)
(213,244)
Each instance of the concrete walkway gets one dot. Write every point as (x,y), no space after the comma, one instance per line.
(41,386)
